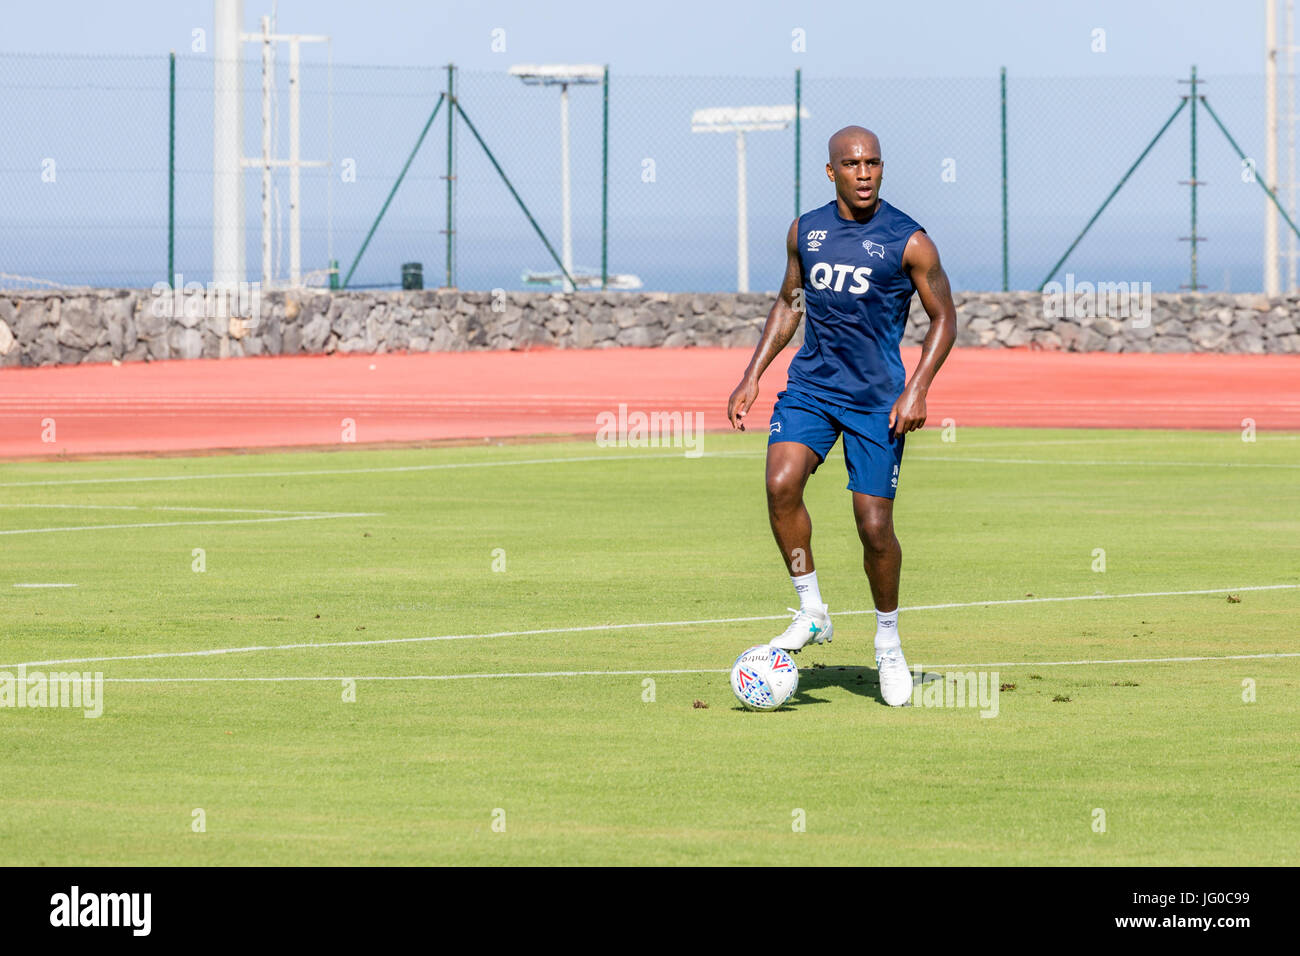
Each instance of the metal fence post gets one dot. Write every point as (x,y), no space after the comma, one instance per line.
(604,186)
(451,172)
(171,174)
(1193,183)
(1005,266)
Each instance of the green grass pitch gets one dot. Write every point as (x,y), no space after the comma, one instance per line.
(398,546)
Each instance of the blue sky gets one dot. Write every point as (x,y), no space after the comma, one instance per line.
(945,38)
(923,74)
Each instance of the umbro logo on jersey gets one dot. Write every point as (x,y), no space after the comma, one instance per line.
(815,238)
(873,248)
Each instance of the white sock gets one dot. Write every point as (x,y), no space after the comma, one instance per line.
(887,630)
(805,585)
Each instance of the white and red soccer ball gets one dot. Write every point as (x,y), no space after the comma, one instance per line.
(764,677)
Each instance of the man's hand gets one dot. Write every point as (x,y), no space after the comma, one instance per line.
(782,321)
(921,262)
(908,413)
(741,399)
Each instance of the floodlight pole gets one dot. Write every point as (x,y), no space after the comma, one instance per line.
(742,120)
(563,75)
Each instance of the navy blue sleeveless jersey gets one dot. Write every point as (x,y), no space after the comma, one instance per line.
(857,297)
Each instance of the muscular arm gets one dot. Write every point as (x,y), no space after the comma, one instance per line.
(782,322)
(921,260)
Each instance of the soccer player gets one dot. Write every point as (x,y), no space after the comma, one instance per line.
(851,267)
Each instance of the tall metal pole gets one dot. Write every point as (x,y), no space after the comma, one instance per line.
(742,218)
(295,205)
(171,175)
(227,143)
(1289,33)
(268,65)
(798,139)
(604,187)
(1271,282)
(451,171)
(1005,261)
(331,262)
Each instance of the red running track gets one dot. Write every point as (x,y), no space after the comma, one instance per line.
(211,404)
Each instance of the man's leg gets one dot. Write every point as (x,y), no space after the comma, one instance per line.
(789,464)
(882,559)
(882,555)
(800,435)
(873,457)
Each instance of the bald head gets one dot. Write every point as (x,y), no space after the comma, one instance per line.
(855,167)
(851,139)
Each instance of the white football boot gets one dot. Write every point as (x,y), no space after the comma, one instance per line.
(895,678)
(809,626)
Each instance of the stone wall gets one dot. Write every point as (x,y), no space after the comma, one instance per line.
(102,325)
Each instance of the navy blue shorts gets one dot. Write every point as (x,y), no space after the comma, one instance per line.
(871,452)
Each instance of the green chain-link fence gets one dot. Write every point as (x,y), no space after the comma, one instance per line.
(88,186)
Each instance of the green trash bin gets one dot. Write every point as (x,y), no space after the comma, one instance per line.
(412,275)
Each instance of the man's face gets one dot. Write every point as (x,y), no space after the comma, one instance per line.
(855,169)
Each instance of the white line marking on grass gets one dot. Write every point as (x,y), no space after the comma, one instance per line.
(1143,464)
(213,652)
(177,524)
(372,471)
(639,673)
(398,469)
(1129,660)
(250,511)
(45,585)
(342,677)
(1229,437)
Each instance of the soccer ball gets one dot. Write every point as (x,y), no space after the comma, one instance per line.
(764,677)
